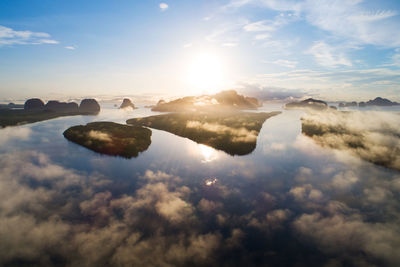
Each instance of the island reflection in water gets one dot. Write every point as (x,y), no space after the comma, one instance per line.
(289,202)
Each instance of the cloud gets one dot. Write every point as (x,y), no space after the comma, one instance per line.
(238,134)
(159,176)
(328,56)
(259,26)
(209,206)
(371,135)
(70,47)
(105,137)
(341,235)
(46,209)
(14,133)
(262,36)
(267,93)
(272,221)
(286,63)
(344,180)
(8,36)
(306,193)
(163,6)
(229,44)
(351,20)
(347,84)
(264,28)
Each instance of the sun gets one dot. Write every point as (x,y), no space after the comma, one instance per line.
(205,73)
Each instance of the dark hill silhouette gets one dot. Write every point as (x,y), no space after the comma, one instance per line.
(35,110)
(54,105)
(379,101)
(89,106)
(33,104)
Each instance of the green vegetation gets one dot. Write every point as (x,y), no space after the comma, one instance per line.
(111,138)
(233,132)
(9,117)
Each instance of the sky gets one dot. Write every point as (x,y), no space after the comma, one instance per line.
(328,49)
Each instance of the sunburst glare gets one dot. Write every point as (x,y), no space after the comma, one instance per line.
(205,73)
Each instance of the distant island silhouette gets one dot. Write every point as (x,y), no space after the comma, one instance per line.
(35,110)
(110,138)
(378,101)
(127,103)
(222,100)
(309,103)
(232,132)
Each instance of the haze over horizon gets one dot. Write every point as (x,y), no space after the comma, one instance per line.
(334,50)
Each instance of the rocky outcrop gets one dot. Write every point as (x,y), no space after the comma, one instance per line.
(34,104)
(89,106)
(127,103)
(57,106)
(308,103)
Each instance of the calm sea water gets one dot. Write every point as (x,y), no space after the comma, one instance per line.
(290,202)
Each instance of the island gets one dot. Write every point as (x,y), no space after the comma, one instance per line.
(378,144)
(111,138)
(127,104)
(348,104)
(309,103)
(224,100)
(378,101)
(232,132)
(35,110)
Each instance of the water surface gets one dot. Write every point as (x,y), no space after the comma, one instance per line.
(289,202)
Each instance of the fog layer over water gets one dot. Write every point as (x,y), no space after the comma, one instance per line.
(289,202)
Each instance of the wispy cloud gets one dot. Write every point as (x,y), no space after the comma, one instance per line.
(285,63)
(8,36)
(70,47)
(268,26)
(262,36)
(342,18)
(230,44)
(328,56)
(163,6)
(259,26)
